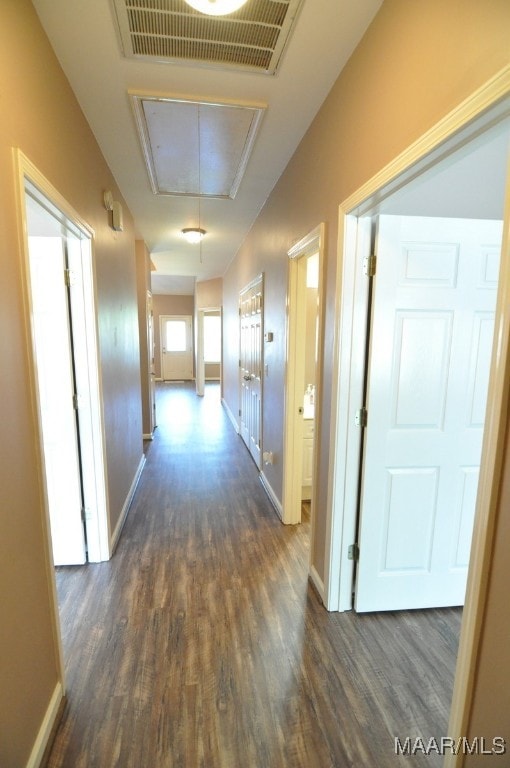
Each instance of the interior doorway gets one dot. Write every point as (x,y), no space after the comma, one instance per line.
(303,386)
(208,347)
(61,301)
(433,297)
(479,155)
(460,136)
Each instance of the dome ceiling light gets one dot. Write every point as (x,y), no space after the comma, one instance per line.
(193,234)
(216,7)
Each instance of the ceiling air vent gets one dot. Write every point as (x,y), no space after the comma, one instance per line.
(252,38)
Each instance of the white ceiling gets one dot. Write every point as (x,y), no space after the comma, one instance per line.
(83,35)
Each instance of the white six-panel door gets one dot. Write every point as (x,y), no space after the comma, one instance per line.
(250,366)
(431,339)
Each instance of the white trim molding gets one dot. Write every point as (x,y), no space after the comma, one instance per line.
(230,415)
(125,509)
(317,582)
(45,731)
(273,498)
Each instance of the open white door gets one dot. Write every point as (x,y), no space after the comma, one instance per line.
(431,340)
(56,391)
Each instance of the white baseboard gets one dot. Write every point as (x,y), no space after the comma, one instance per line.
(46,729)
(317,583)
(125,509)
(273,498)
(230,415)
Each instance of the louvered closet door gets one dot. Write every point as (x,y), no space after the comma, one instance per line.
(431,341)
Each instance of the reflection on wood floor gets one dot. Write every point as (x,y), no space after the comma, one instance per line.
(201,643)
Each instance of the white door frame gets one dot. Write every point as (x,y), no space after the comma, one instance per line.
(199,353)
(92,438)
(470,119)
(312,243)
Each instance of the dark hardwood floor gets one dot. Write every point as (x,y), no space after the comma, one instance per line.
(202,644)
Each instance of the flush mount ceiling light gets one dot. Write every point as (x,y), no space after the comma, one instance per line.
(193,234)
(216,7)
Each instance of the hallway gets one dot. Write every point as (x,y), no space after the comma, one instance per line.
(201,642)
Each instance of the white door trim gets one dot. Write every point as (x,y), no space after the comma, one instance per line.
(99,548)
(199,353)
(93,439)
(486,106)
(312,243)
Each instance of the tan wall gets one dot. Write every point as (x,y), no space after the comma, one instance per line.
(416,62)
(42,118)
(209,294)
(165,304)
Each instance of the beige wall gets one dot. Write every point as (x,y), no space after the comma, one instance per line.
(165,304)
(209,294)
(415,64)
(42,118)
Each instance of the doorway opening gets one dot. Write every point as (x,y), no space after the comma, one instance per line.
(477,122)
(303,385)
(62,320)
(208,348)
(431,195)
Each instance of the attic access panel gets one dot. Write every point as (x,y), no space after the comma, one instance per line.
(252,38)
(195,148)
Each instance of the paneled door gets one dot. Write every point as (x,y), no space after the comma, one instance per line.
(434,297)
(251,301)
(176,347)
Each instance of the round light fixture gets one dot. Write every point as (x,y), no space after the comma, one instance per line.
(216,7)
(193,234)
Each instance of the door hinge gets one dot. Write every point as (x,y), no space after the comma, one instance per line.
(370,265)
(353,552)
(239,411)
(361,418)
(86,514)
(69,277)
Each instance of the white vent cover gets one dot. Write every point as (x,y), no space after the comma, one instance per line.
(195,148)
(252,38)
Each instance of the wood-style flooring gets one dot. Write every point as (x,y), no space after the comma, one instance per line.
(201,643)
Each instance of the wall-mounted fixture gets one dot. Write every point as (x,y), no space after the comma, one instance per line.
(268,457)
(193,234)
(216,7)
(116,208)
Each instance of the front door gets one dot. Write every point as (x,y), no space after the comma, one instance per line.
(176,348)
(434,297)
(250,366)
